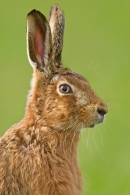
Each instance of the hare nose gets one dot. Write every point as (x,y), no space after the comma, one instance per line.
(102,109)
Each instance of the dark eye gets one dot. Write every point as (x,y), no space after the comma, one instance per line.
(66,89)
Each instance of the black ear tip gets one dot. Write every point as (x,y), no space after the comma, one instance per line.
(36,15)
(34,12)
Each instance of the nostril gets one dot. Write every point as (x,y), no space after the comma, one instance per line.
(100,111)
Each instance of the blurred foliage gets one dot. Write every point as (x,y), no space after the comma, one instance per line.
(96,45)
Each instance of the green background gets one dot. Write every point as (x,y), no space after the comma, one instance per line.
(96,45)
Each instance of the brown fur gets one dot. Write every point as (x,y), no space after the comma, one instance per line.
(38,156)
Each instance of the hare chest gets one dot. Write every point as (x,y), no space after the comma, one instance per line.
(36,167)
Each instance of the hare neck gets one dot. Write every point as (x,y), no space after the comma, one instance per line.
(60,142)
(63,143)
(57,150)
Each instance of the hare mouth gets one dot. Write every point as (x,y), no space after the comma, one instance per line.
(91,126)
(100,120)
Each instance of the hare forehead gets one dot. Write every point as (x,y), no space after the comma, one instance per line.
(73,79)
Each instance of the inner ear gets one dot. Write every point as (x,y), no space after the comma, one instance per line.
(38,40)
(39,47)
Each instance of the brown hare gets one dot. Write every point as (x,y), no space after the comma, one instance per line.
(38,156)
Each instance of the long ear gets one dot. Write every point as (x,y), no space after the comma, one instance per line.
(57,23)
(39,48)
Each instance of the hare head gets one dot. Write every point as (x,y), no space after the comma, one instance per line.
(59,97)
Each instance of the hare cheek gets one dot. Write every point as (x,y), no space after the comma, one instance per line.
(81,99)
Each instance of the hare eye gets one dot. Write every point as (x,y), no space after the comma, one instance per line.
(66,89)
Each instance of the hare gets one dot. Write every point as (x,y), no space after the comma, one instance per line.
(38,156)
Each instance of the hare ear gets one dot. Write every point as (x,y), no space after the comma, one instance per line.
(57,23)
(38,40)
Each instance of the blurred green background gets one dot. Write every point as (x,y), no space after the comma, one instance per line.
(96,45)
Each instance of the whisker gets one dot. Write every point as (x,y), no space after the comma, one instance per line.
(97,72)
(89,72)
(99,150)
(100,132)
(75,132)
(92,63)
(88,138)
(96,66)
(73,125)
(109,99)
(70,125)
(109,125)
